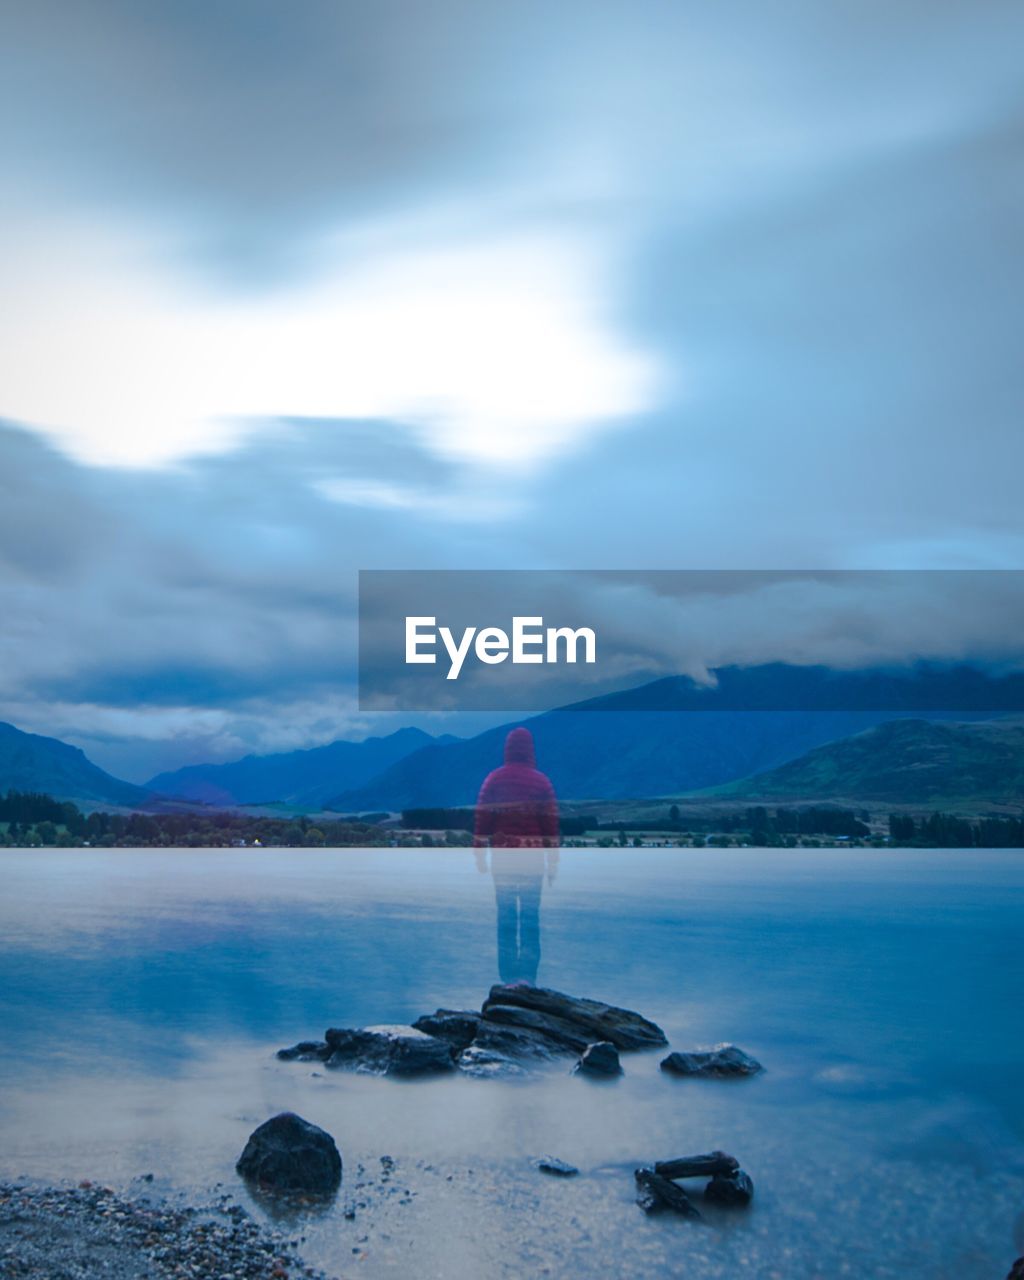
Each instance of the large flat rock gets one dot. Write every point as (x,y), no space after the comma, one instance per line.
(594,1020)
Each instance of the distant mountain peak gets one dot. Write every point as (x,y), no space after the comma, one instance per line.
(303,778)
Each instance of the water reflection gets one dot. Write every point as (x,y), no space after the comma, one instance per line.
(517,832)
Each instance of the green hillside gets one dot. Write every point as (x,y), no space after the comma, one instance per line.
(30,762)
(902,762)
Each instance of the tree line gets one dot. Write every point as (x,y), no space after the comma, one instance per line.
(32,819)
(946,831)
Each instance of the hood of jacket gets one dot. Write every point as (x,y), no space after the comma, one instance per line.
(519,748)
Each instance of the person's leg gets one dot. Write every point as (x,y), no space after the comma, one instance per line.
(507,908)
(529,927)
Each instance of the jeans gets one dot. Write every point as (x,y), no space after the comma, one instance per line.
(518,902)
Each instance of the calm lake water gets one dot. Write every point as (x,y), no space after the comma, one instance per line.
(143,994)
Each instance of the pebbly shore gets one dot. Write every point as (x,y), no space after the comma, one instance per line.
(82,1232)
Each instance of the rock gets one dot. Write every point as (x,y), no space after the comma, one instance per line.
(723,1060)
(518,1043)
(306,1051)
(1017,1270)
(655,1193)
(734,1189)
(287,1153)
(600,1059)
(557,1168)
(486,1063)
(705,1166)
(560,1033)
(388,1051)
(457,1026)
(596,1020)
(518,1024)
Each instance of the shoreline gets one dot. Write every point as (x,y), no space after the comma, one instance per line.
(85,1230)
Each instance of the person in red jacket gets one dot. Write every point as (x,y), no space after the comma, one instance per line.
(517,821)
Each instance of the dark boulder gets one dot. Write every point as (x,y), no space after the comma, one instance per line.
(1017,1270)
(457,1026)
(287,1153)
(601,1059)
(705,1166)
(388,1051)
(306,1051)
(560,1033)
(594,1019)
(557,1168)
(722,1061)
(734,1189)
(655,1193)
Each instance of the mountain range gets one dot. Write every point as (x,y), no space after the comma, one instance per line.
(673,735)
(300,779)
(772,730)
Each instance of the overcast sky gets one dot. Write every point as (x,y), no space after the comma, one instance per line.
(293,290)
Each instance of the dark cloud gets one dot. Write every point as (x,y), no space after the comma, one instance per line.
(213,586)
(811,213)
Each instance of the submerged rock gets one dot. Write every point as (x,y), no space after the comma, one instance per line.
(1017,1270)
(600,1059)
(306,1051)
(287,1153)
(557,1168)
(457,1026)
(655,1193)
(594,1019)
(704,1166)
(723,1060)
(388,1051)
(734,1189)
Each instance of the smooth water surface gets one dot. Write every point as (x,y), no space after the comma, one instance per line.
(143,994)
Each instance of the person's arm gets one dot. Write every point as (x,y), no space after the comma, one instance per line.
(483,825)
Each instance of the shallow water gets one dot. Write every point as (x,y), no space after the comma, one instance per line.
(143,994)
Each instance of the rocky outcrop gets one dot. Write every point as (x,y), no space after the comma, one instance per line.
(388,1051)
(559,1033)
(287,1153)
(596,1020)
(723,1060)
(518,1027)
(521,1044)
(457,1026)
(655,1193)
(601,1059)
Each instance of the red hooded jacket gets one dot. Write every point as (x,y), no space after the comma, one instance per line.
(517,807)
